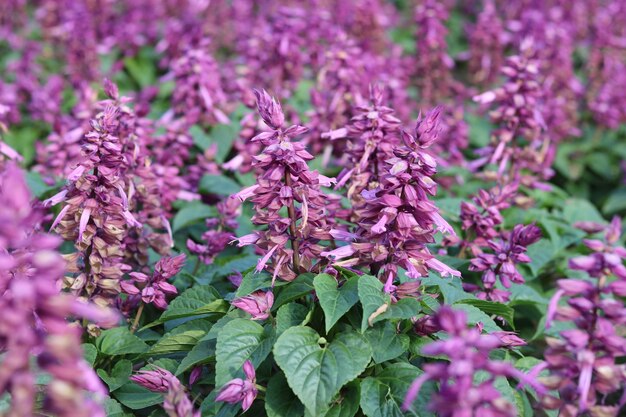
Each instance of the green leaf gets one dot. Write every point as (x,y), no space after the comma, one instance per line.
(224,136)
(347,402)
(450,207)
(575,210)
(335,302)
(196,301)
(218,184)
(141,68)
(182,338)
(90,352)
(240,340)
(299,287)
(491,307)
(377,401)
(450,287)
(37,185)
(203,352)
(371,296)
(194,212)
(541,253)
(616,202)
(114,409)
(135,397)
(290,315)
(399,377)
(253,281)
(200,137)
(119,341)
(316,373)
(280,401)
(475,315)
(119,374)
(385,342)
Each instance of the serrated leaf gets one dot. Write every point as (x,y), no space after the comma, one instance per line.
(90,353)
(541,253)
(238,341)
(195,212)
(372,297)
(299,287)
(290,315)
(475,315)
(196,301)
(335,301)
(377,401)
(135,397)
(346,404)
(182,338)
(280,401)
(399,377)
(315,373)
(575,210)
(450,287)
(119,341)
(491,307)
(218,184)
(385,342)
(114,409)
(119,374)
(203,352)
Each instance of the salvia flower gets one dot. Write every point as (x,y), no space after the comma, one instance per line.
(519,144)
(154,289)
(239,390)
(396,219)
(486,42)
(285,181)
(220,234)
(258,304)
(176,402)
(584,363)
(501,263)
(468,352)
(34,315)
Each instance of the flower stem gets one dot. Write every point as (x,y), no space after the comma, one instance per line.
(133,328)
(295,245)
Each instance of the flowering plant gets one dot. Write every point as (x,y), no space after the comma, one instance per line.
(312,208)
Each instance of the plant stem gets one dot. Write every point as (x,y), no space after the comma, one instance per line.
(295,245)
(133,328)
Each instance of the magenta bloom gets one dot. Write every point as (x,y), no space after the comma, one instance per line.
(157,380)
(258,304)
(176,402)
(239,390)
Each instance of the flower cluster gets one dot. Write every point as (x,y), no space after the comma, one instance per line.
(220,234)
(285,180)
(469,354)
(34,314)
(239,390)
(519,143)
(176,402)
(584,362)
(396,220)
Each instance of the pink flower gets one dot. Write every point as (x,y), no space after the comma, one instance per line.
(239,390)
(258,304)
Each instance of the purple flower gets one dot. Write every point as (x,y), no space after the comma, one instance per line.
(35,314)
(239,390)
(468,352)
(176,403)
(258,304)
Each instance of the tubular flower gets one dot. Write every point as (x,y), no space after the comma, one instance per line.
(34,315)
(396,220)
(371,136)
(500,265)
(198,94)
(220,234)
(519,144)
(239,390)
(285,181)
(468,352)
(584,362)
(111,179)
(176,402)
(258,304)
(153,289)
